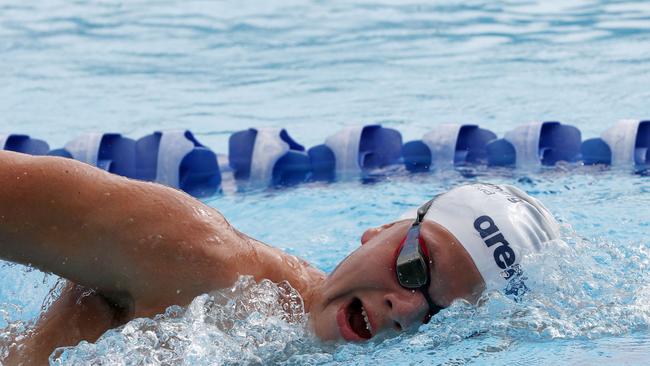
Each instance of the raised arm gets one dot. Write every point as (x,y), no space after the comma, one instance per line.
(140,244)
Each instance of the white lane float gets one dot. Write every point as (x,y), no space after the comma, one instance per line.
(446,146)
(627,143)
(355,151)
(535,144)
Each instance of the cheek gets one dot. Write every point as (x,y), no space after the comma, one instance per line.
(453,282)
(322,328)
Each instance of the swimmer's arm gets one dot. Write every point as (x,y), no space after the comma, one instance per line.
(142,245)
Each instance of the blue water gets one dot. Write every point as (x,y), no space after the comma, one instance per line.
(314,67)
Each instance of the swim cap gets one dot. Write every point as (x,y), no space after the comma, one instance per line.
(497,225)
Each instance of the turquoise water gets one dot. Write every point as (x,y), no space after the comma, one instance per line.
(314,67)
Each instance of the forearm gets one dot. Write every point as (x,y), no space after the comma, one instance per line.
(78,314)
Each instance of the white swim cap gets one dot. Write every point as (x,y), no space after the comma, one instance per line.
(497,225)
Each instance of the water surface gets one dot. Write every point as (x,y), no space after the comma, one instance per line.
(314,67)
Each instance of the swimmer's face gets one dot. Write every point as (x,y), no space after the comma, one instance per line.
(364,285)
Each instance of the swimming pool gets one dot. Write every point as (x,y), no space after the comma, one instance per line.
(314,67)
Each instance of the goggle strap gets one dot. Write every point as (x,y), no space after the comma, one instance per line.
(433,308)
(423,211)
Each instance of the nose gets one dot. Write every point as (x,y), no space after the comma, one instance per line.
(405,308)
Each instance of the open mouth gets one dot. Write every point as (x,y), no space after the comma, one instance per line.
(358,319)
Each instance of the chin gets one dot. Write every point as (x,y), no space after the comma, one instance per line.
(323,325)
(344,322)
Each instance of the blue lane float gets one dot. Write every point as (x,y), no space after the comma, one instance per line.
(107,151)
(178,159)
(534,144)
(446,146)
(354,151)
(265,157)
(23,144)
(268,157)
(627,143)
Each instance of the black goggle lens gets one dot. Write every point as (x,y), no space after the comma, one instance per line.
(411,267)
(412,275)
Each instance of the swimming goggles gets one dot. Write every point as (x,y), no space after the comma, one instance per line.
(412,264)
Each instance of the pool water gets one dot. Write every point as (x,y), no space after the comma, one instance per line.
(314,67)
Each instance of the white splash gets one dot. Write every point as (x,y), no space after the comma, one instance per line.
(250,323)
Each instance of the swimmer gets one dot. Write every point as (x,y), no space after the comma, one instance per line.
(131,249)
